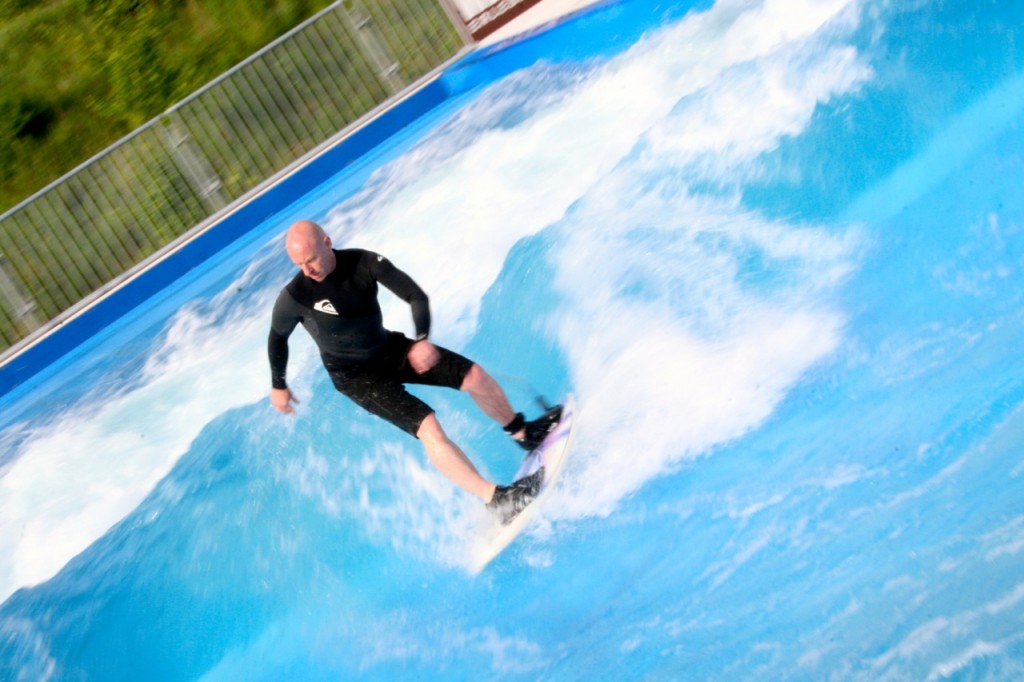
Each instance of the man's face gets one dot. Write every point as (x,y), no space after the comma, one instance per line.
(314,257)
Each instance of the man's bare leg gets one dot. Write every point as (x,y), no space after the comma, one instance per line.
(451,461)
(489,397)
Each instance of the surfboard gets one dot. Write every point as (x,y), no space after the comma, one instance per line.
(550,454)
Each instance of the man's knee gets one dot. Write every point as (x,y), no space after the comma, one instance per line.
(475,378)
(430,429)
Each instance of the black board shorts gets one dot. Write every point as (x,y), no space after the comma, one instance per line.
(378,385)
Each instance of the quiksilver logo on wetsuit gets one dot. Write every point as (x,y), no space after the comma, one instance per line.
(325,306)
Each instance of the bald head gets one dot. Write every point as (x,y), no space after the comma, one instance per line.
(304,234)
(309,247)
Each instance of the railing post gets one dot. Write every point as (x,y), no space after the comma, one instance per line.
(22,308)
(380,57)
(455,17)
(194,164)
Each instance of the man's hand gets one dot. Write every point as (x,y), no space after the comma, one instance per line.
(282,399)
(423,355)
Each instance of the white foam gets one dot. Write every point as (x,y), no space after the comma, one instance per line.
(664,335)
(512,182)
(75,479)
(962,660)
(951,640)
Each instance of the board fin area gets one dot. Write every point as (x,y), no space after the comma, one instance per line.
(549,455)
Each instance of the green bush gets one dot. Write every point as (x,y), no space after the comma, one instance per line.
(78,75)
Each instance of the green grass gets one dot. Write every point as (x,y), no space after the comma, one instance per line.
(77,75)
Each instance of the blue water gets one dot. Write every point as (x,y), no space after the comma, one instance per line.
(774,248)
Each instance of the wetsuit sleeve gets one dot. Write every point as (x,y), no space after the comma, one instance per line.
(285,317)
(406,289)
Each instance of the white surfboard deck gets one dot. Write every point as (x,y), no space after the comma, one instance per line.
(551,454)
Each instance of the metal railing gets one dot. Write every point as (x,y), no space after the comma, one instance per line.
(82,232)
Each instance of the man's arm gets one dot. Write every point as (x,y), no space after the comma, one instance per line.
(423,355)
(281,326)
(403,286)
(277,351)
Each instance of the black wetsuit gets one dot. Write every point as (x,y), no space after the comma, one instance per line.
(366,362)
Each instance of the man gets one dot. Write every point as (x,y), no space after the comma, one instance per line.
(334,296)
